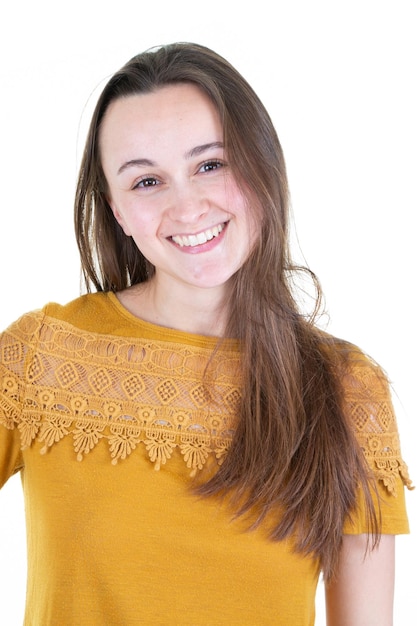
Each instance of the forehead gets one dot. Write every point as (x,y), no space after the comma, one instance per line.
(166,110)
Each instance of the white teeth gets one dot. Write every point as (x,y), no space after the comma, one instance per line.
(200,238)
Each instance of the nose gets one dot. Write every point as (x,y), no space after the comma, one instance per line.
(187,203)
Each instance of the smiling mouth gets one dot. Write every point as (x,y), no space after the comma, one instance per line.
(199,238)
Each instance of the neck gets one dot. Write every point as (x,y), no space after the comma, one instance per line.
(186,308)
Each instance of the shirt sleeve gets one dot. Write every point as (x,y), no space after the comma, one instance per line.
(15,345)
(370,409)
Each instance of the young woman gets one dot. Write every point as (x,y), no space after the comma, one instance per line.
(194,450)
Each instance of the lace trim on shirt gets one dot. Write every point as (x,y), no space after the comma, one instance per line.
(127,392)
(162,395)
(368,402)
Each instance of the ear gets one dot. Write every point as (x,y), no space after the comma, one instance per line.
(119,217)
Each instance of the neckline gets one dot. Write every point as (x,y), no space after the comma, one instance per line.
(166,333)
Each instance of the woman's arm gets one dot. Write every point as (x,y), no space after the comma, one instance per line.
(362,594)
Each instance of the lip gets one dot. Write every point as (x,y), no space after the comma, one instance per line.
(202,241)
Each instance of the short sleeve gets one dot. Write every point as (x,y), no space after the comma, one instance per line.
(370,410)
(15,345)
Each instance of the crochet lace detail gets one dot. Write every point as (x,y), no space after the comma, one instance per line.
(95,389)
(120,392)
(369,405)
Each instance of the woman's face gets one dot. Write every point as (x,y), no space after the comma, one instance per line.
(171,189)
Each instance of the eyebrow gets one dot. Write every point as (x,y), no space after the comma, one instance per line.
(196,151)
(200,149)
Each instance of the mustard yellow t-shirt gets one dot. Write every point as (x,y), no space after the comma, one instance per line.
(108,420)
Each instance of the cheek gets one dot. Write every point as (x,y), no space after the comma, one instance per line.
(137,219)
(119,212)
(145,229)
(249,215)
(240,201)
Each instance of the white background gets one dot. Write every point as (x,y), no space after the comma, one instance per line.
(339,80)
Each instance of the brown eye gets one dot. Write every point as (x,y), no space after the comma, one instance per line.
(148,181)
(210,166)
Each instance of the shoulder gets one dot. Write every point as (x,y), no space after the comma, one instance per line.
(92,313)
(368,406)
(360,376)
(79,308)
(89,312)
(88,307)
(24,329)
(364,385)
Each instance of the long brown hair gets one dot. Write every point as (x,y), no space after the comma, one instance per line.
(293,450)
